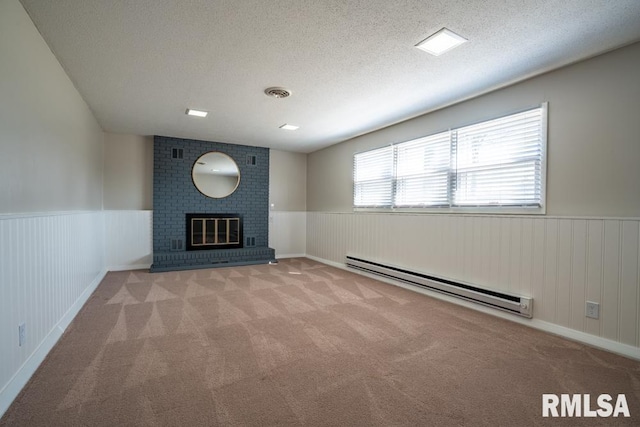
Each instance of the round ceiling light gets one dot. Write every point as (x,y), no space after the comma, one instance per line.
(277,92)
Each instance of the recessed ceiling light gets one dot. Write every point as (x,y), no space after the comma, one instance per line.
(441,42)
(289,127)
(197,113)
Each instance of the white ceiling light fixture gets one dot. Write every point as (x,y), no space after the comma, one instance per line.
(289,127)
(441,42)
(197,113)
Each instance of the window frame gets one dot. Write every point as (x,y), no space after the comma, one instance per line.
(450,208)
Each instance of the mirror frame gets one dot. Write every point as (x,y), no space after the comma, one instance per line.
(225,155)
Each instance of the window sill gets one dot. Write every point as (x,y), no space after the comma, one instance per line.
(458,211)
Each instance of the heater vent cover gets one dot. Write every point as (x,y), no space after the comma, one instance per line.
(522,306)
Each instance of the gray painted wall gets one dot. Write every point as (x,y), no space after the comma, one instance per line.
(593,138)
(50,143)
(50,161)
(128,172)
(287,181)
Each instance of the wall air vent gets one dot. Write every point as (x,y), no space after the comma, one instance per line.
(177,153)
(176,244)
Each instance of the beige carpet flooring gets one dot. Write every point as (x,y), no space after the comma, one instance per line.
(302,343)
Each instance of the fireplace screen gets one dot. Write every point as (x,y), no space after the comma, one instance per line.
(213,231)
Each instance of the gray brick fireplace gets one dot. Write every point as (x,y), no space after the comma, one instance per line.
(175,196)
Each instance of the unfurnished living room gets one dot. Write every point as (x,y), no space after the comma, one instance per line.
(322,213)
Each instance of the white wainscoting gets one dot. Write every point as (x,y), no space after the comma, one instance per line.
(128,239)
(50,263)
(560,262)
(288,233)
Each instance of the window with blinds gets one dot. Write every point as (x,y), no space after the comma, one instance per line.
(373,178)
(422,171)
(498,163)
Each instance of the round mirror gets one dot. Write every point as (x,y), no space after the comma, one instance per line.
(215,175)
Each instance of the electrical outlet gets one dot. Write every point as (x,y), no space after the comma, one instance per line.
(21,334)
(593,310)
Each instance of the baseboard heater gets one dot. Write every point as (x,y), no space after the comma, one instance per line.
(519,305)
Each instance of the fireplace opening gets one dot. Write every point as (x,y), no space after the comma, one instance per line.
(213,231)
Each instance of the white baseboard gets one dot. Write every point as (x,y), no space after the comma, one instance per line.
(331,263)
(129,267)
(29,367)
(283,256)
(592,340)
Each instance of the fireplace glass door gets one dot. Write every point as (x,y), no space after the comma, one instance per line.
(215,231)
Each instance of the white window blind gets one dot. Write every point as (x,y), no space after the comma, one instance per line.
(499,162)
(373,178)
(422,177)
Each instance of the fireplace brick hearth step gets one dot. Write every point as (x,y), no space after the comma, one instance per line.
(189,260)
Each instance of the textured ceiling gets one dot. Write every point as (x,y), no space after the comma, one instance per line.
(351,64)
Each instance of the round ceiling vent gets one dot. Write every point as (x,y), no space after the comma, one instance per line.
(277,92)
